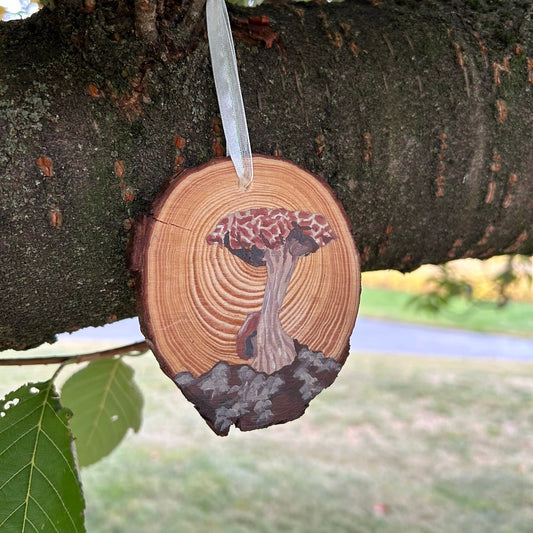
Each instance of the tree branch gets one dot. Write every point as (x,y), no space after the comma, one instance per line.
(131,349)
(418,115)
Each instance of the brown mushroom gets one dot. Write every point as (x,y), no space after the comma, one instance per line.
(274,238)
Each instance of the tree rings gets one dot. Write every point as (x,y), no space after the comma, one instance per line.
(248,299)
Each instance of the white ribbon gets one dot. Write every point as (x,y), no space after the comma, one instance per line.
(228,90)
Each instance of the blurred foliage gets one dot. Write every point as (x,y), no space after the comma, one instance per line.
(449,284)
(518,267)
(444,287)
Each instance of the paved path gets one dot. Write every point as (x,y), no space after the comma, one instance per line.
(372,335)
(376,336)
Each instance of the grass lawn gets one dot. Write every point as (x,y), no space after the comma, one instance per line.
(397,444)
(515,318)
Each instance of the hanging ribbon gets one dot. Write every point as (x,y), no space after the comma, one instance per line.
(228,90)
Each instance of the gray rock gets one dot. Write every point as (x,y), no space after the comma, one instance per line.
(237,395)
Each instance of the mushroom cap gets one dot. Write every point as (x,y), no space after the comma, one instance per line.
(263,228)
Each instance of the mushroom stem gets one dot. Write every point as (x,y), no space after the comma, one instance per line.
(274,347)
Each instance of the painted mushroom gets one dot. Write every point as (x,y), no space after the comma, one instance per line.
(275,238)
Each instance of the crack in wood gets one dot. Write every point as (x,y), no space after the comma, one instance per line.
(171,224)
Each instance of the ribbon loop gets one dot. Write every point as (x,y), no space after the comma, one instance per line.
(228,89)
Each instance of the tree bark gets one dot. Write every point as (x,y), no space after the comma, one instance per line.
(418,114)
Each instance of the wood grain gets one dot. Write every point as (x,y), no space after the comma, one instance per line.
(193,298)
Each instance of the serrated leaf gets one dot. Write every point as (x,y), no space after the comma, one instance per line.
(106,402)
(40,488)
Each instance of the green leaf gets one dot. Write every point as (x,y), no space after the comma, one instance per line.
(39,485)
(106,402)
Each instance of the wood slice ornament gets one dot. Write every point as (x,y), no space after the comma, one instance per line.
(247,298)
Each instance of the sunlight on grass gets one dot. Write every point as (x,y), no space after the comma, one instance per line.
(516,318)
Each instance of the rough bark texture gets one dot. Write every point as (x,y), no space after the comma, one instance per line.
(419,114)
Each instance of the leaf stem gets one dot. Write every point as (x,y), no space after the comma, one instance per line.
(131,349)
